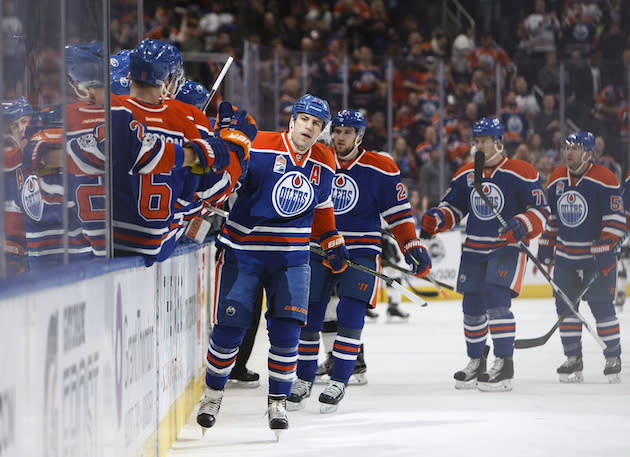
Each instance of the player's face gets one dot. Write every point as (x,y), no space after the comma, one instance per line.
(343,140)
(17,128)
(306,129)
(575,156)
(485,144)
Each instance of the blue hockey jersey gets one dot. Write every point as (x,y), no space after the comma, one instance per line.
(513,186)
(282,196)
(364,190)
(584,209)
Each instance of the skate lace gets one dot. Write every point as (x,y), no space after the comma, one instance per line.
(277,409)
(334,389)
(209,405)
(472,366)
(496,367)
(301,387)
(611,362)
(570,361)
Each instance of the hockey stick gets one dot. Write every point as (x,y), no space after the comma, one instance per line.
(428,293)
(438,284)
(217,83)
(527,343)
(479,164)
(389,281)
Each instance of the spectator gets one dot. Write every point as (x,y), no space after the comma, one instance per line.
(487,56)
(365,77)
(404,158)
(438,46)
(470,114)
(216,19)
(546,121)
(189,39)
(461,96)
(601,158)
(580,89)
(541,27)
(406,79)
(161,28)
(430,185)
(525,100)
(426,148)
(535,147)
(463,44)
(522,152)
(375,138)
(548,76)
(579,32)
(515,122)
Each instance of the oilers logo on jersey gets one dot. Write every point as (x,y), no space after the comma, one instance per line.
(572,208)
(345,193)
(32,202)
(479,207)
(292,194)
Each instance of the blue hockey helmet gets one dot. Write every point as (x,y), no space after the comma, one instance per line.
(488,126)
(84,63)
(312,105)
(350,118)
(119,71)
(15,109)
(586,139)
(193,93)
(157,63)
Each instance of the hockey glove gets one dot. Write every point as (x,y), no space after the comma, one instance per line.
(515,233)
(432,223)
(212,154)
(237,129)
(604,256)
(545,254)
(336,252)
(417,257)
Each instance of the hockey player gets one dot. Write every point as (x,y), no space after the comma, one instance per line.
(156,190)
(265,243)
(367,186)
(491,266)
(587,219)
(16,115)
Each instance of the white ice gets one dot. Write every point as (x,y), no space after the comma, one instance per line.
(410,408)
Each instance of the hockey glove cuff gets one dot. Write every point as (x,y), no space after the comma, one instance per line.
(432,222)
(212,154)
(336,252)
(417,257)
(604,256)
(515,233)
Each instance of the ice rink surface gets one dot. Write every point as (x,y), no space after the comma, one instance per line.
(410,408)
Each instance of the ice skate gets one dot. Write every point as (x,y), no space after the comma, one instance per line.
(322,375)
(467,378)
(613,369)
(369,312)
(359,372)
(277,413)
(331,396)
(395,314)
(300,391)
(620,300)
(247,379)
(571,369)
(209,408)
(499,377)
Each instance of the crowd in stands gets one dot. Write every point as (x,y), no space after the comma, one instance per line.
(527,40)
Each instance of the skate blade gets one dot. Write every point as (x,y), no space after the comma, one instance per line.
(203,431)
(325,408)
(323,379)
(614,378)
(237,384)
(277,434)
(501,386)
(466,385)
(295,406)
(575,377)
(397,320)
(359,379)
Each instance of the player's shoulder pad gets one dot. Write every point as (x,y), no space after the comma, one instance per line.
(268,140)
(467,167)
(323,154)
(379,160)
(522,168)
(558,173)
(602,174)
